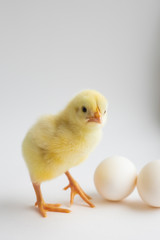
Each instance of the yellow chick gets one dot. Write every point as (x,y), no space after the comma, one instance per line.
(59,142)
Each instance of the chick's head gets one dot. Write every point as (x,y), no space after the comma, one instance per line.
(88,109)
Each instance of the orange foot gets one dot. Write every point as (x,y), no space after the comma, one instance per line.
(43,207)
(76,189)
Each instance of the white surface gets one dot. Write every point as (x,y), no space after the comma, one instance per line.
(49,50)
(115,178)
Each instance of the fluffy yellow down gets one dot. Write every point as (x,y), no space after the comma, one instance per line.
(59,142)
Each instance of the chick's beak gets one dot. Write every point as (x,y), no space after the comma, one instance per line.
(96,118)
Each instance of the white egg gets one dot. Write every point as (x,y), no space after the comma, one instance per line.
(115,178)
(148,183)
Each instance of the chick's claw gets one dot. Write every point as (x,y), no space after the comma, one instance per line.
(51,208)
(43,207)
(76,189)
(51,205)
(85,193)
(75,192)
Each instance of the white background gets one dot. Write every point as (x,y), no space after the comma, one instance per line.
(49,51)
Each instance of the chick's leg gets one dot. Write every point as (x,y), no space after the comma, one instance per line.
(76,189)
(43,207)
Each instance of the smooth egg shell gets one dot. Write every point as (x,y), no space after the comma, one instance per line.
(115,178)
(148,183)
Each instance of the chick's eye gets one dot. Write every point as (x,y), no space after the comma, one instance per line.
(84,109)
(104,111)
